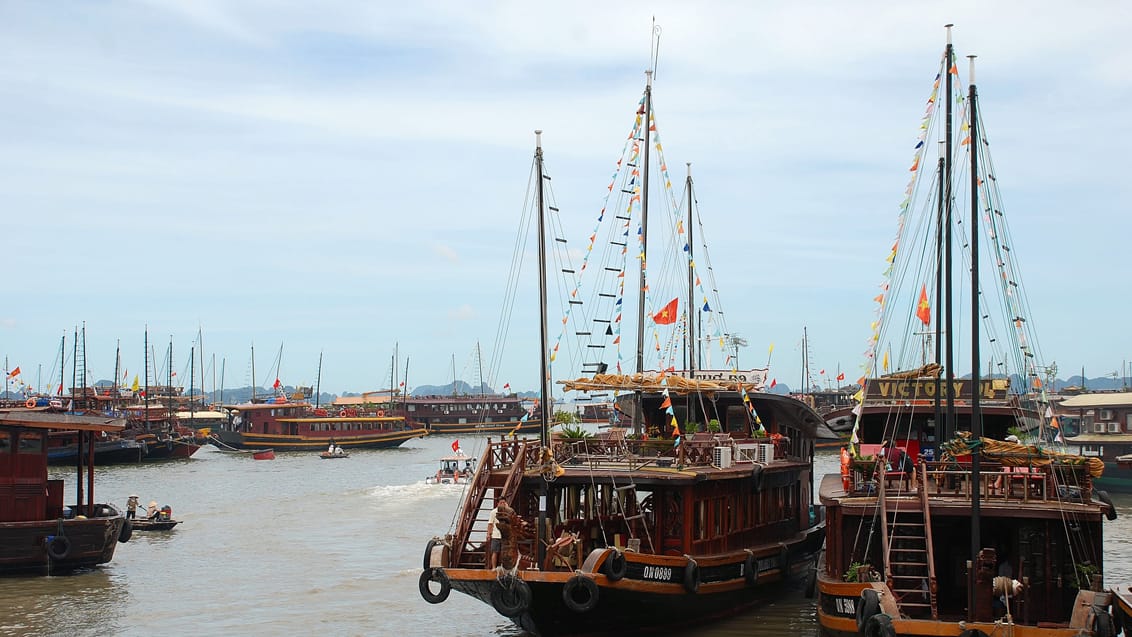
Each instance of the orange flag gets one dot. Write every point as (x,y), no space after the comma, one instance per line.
(923,308)
(667,314)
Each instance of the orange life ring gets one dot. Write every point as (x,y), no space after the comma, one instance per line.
(381,413)
(30,404)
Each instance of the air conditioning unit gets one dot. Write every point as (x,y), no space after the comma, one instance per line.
(721,457)
(765,453)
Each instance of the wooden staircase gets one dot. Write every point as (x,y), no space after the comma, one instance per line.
(909,562)
(500,471)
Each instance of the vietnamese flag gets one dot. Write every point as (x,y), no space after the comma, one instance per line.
(456,446)
(15,372)
(277,384)
(923,308)
(841,376)
(667,314)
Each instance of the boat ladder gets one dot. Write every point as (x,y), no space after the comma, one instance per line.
(908,557)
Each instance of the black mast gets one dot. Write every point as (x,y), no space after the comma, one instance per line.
(544,360)
(949,427)
(691,338)
(145,392)
(318,381)
(644,247)
(192,375)
(976,415)
(941,171)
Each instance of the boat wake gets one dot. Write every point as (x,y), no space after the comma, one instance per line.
(415,492)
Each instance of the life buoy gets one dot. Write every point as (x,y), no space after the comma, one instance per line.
(1101,623)
(1102,495)
(58,547)
(880,625)
(615,565)
(127,532)
(430,575)
(30,404)
(751,569)
(692,576)
(580,594)
(510,596)
(381,413)
(867,606)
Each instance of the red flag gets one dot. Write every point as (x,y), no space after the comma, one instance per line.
(773,382)
(277,384)
(455,446)
(822,373)
(667,314)
(923,308)
(15,372)
(506,385)
(841,376)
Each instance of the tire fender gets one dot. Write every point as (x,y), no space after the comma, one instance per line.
(510,596)
(58,547)
(615,565)
(127,531)
(867,606)
(751,569)
(973,632)
(692,576)
(1101,623)
(430,575)
(580,594)
(880,625)
(428,554)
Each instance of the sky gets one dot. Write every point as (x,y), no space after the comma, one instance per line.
(343,180)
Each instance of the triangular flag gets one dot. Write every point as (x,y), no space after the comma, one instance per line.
(134,387)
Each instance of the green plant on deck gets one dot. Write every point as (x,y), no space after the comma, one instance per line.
(562,417)
(713,426)
(1084,572)
(691,427)
(573,432)
(859,572)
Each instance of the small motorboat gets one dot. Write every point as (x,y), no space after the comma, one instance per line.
(455,469)
(156,524)
(263,454)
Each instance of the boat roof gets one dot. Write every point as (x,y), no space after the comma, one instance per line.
(458,457)
(261,406)
(63,422)
(1099,439)
(204,415)
(1114,399)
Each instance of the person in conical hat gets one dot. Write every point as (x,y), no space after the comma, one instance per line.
(151,510)
(131,507)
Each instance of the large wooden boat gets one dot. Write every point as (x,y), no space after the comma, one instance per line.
(38,534)
(649,531)
(290,426)
(941,521)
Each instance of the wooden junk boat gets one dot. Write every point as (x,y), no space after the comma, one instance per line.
(636,532)
(38,533)
(941,521)
(295,426)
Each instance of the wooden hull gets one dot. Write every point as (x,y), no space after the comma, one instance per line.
(493,428)
(24,546)
(238,440)
(653,595)
(142,524)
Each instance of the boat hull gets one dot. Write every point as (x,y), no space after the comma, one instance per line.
(654,594)
(1117,478)
(239,440)
(503,428)
(154,525)
(25,547)
(105,452)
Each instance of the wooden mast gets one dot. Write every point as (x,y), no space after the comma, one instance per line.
(544,360)
(637,412)
(976,415)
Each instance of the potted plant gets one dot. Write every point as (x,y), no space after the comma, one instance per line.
(713,426)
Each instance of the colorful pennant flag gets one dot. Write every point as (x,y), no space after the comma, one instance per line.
(15,372)
(277,384)
(134,387)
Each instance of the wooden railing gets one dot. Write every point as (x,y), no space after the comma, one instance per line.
(1054,482)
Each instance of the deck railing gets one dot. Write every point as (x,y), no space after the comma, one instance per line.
(1057,482)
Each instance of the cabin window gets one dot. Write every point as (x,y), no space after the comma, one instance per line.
(5,442)
(736,418)
(1128,423)
(31,442)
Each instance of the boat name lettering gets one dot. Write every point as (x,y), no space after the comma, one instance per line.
(924,388)
(660,573)
(846,606)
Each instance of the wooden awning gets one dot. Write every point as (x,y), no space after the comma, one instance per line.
(61,422)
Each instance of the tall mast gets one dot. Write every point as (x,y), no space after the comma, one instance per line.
(544,342)
(253,372)
(223,364)
(145,395)
(75,372)
(117,368)
(192,375)
(200,342)
(644,245)
(949,427)
(63,363)
(691,338)
(169,408)
(453,375)
(976,414)
(941,170)
(318,382)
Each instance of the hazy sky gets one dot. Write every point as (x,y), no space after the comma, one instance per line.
(345,178)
